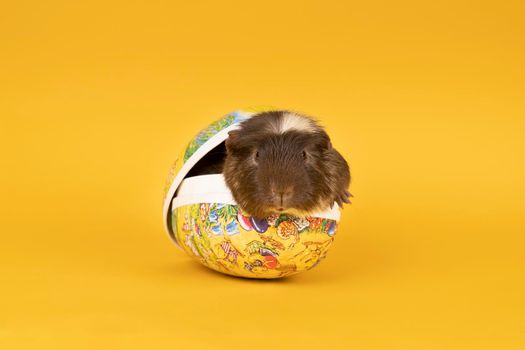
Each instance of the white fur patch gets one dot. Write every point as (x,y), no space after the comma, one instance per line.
(291,121)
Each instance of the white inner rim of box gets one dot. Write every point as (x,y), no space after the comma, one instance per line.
(213,189)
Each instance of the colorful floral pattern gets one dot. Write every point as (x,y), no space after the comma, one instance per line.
(227,240)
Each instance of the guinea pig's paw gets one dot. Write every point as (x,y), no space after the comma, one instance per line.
(342,198)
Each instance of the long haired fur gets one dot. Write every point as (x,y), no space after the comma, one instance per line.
(281,160)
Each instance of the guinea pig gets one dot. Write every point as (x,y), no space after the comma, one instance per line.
(282,161)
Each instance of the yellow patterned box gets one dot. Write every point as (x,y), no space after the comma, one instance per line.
(202,217)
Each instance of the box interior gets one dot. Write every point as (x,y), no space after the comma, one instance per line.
(211,163)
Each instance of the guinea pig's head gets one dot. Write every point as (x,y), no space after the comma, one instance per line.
(275,163)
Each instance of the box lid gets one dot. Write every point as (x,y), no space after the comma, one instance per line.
(206,140)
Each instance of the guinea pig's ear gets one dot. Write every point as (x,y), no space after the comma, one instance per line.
(325,141)
(232,140)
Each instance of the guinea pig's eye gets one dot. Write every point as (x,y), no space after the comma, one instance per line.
(303,154)
(257,155)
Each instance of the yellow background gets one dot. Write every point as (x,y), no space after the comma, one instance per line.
(424,98)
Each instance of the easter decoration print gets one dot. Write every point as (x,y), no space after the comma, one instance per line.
(257,194)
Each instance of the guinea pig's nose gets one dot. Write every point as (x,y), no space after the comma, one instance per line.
(282,195)
(285,193)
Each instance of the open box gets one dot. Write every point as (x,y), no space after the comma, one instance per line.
(202,217)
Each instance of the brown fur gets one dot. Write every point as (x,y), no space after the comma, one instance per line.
(297,170)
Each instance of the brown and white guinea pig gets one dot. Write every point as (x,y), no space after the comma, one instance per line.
(281,161)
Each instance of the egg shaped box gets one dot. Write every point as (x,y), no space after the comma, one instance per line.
(202,218)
